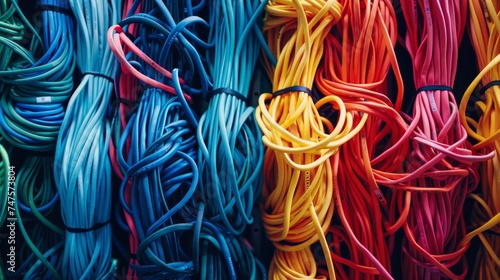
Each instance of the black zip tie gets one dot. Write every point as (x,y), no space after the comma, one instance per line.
(116,103)
(130,36)
(58,9)
(488,86)
(293,89)
(228,91)
(434,88)
(125,101)
(82,230)
(96,74)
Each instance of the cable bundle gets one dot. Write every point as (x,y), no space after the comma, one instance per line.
(38,220)
(35,85)
(11,31)
(157,151)
(231,153)
(484,29)
(82,167)
(39,80)
(358,55)
(440,162)
(298,186)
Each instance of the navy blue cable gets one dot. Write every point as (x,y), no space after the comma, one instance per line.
(161,160)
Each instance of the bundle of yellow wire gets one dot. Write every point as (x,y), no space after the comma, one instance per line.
(484,29)
(298,186)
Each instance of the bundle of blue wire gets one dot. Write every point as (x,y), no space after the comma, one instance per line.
(12,30)
(82,167)
(35,83)
(38,80)
(162,159)
(231,151)
(176,240)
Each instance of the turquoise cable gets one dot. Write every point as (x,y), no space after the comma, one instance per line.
(82,167)
(12,30)
(36,220)
(231,151)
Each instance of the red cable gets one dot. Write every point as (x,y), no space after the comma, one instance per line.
(358,56)
(128,89)
(440,157)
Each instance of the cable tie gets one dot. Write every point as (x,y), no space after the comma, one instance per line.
(488,86)
(96,74)
(58,9)
(434,88)
(82,230)
(116,103)
(125,101)
(293,89)
(228,91)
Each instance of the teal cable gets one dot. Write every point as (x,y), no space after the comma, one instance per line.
(231,151)
(37,219)
(82,167)
(4,183)
(25,73)
(39,80)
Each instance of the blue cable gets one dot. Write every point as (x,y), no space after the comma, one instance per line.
(231,151)
(82,167)
(160,162)
(34,84)
(177,240)
(35,88)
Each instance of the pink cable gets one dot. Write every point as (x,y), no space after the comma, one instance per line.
(441,157)
(128,90)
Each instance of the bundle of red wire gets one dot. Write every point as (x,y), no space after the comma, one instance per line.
(441,162)
(358,56)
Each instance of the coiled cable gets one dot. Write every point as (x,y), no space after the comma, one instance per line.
(231,153)
(358,56)
(35,85)
(441,158)
(484,28)
(82,167)
(161,160)
(38,220)
(38,81)
(298,185)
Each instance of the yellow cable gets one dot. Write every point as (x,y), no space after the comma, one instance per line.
(298,186)
(484,27)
